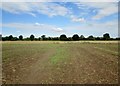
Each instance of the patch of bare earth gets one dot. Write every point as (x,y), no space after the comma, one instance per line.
(85,65)
(88,65)
(26,70)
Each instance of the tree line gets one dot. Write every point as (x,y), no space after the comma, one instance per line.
(62,37)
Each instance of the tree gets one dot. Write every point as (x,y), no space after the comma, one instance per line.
(75,37)
(0,37)
(55,38)
(20,37)
(36,39)
(97,38)
(43,37)
(39,38)
(63,37)
(91,37)
(49,38)
(69,38)
(10,38)
(106,36)
(118,38)
(82,37)
(15,39)
(5,38)
(32,37)
(27,39)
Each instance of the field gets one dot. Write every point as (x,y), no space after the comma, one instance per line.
(60,62)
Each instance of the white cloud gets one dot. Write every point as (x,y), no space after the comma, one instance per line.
(97,0)
(34,27)
(93,28)
(106,12)
(37,24)
(27,0)
(18,8)
(60,0)
(89,28)
(58,29)
(75,19)
(50,9)
(34,15)
(103,8)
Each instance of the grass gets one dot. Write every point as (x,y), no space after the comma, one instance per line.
(22,50)
(13,50)
(108,48)
(60,55)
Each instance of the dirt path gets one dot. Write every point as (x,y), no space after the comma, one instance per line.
(38,70)
(86,64)
(26,70)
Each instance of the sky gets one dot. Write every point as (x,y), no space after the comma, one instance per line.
(56,18)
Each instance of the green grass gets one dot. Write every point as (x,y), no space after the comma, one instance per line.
(60,55)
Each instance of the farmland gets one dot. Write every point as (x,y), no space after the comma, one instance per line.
(48,62)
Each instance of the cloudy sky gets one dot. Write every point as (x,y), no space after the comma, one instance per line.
(56,18)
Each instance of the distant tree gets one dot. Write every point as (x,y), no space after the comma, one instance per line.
(91,38)
(20,37)
(82,37)
(0,37)
(15,39)
(10,38)
(49,38)
(36,39)
(39,38)
(118,38)
(112,38)
(5,38)
(63,37)
(55,38)
(27,39)
(32,37)
(97,38)
(75,37)
(69,38)
(106,36)
(43,37)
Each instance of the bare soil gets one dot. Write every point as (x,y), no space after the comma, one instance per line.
(85,64)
